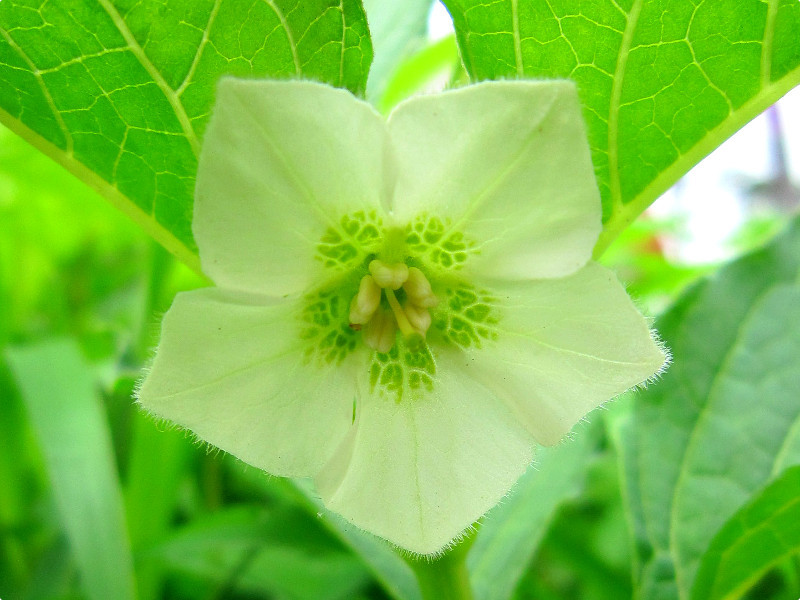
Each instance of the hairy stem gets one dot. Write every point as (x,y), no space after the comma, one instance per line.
(445,577)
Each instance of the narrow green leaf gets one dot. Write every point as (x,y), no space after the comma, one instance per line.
(724,420)
(663,82)
(389,568)
(510,534)
(398,29)
(156,466)
(119,91)
(761,534)
(58,390)
(157,461)
(17,494)
(255,551)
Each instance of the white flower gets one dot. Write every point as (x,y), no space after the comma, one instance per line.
(404,307)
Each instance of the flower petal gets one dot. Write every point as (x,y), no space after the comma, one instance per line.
(419,471)
(508,164)
(282,162)
(233,372)
(565,346)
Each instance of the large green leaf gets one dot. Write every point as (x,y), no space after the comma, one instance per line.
(663,82)
(119,91)
(724,420)
(71,429)
(759,535)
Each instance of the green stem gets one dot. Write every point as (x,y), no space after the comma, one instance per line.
(445,577)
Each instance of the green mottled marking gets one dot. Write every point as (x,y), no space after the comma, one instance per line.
(402,373)
(467,316)
(325,326)
(430,238)
(347,244)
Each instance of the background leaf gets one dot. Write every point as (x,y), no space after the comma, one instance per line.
(387,565)
(66,414)
(663,82)
(119,91)
(398,29)
(725,418)
(151,492)
(278,553)
(758,536)
(510,533)
(426,68)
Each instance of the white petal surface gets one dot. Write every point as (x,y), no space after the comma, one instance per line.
(419,471)
(508,164)
(232,371)
(282,161)
(565,346)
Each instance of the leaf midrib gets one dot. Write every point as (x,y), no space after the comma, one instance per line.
(517,40)
(766,46)
(614,105)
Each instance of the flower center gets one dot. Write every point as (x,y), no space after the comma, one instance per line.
(378,322)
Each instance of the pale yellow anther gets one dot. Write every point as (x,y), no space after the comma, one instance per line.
(363,305)
(380,332)
(380,326)
(418,316)
(418,289)
(388,276)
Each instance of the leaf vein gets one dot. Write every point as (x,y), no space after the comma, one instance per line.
(68,141)
(148,65)
(200,47)
(289,35)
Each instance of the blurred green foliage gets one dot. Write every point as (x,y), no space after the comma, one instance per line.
(199,524)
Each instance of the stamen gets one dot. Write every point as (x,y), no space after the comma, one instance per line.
(418,289)
(412,336)
(363,305)
(388,276)
(413,319)
(419,317)
(379,333)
